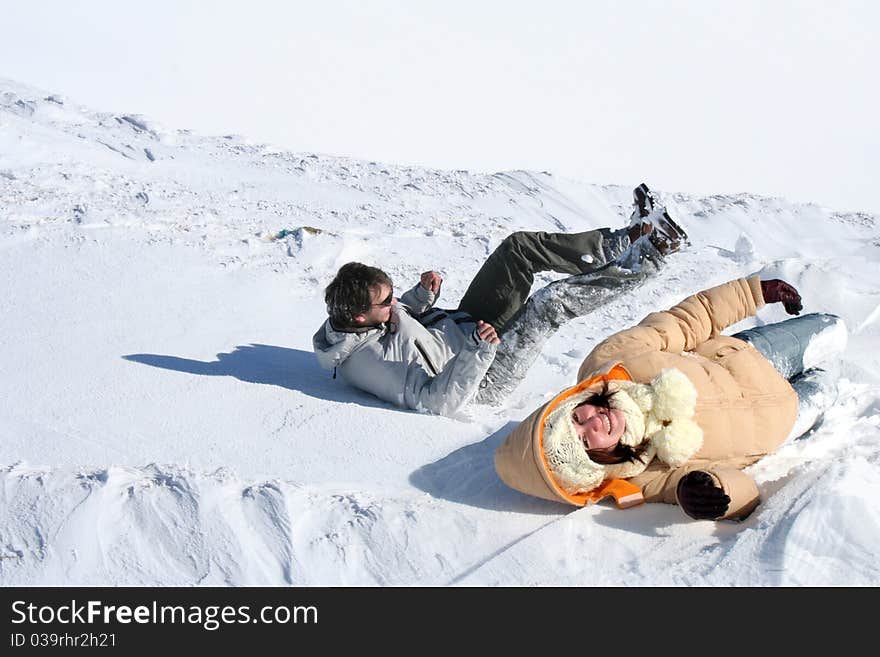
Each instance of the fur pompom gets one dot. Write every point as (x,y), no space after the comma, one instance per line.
(674,395)
(677,442)
(642,395)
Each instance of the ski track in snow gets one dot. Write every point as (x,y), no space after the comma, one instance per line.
(164,422)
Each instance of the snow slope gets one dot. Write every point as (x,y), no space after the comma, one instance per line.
(164,422)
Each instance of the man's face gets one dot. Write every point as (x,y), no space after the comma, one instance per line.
(382,300)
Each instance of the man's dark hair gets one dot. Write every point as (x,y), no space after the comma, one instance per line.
(349,293)
(620,453)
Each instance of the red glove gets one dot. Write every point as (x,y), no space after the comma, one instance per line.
(776,290)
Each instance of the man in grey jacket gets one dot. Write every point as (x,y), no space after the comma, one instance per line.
(417,356)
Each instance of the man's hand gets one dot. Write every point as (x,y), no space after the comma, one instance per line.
(700,498)
(431,281)
(486,332)
(776,290)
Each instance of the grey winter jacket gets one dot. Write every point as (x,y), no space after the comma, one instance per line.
(429,360)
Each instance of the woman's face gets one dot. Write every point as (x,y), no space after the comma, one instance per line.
(598,427)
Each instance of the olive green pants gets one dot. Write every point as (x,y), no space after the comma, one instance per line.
(501,287)
(532,323)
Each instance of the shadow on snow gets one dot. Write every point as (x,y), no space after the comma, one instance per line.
(269,365)
(467,476)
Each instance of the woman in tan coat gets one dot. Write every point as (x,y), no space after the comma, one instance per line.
(672,411)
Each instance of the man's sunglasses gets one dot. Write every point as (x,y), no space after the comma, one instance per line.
(385,302)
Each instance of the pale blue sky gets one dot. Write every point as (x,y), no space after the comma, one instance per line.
(772,97)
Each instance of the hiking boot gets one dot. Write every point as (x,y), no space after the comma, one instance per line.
(650,218)
(665,234)
(644,201)
(670,227)
(647,206)
(663,243)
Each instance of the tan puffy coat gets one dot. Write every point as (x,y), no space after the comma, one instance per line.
(744,406)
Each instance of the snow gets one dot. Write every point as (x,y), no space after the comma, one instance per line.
(163,420)
(822,345)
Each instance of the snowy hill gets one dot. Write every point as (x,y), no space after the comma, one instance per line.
(163,420)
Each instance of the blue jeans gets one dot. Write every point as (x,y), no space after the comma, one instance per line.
(787,345)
